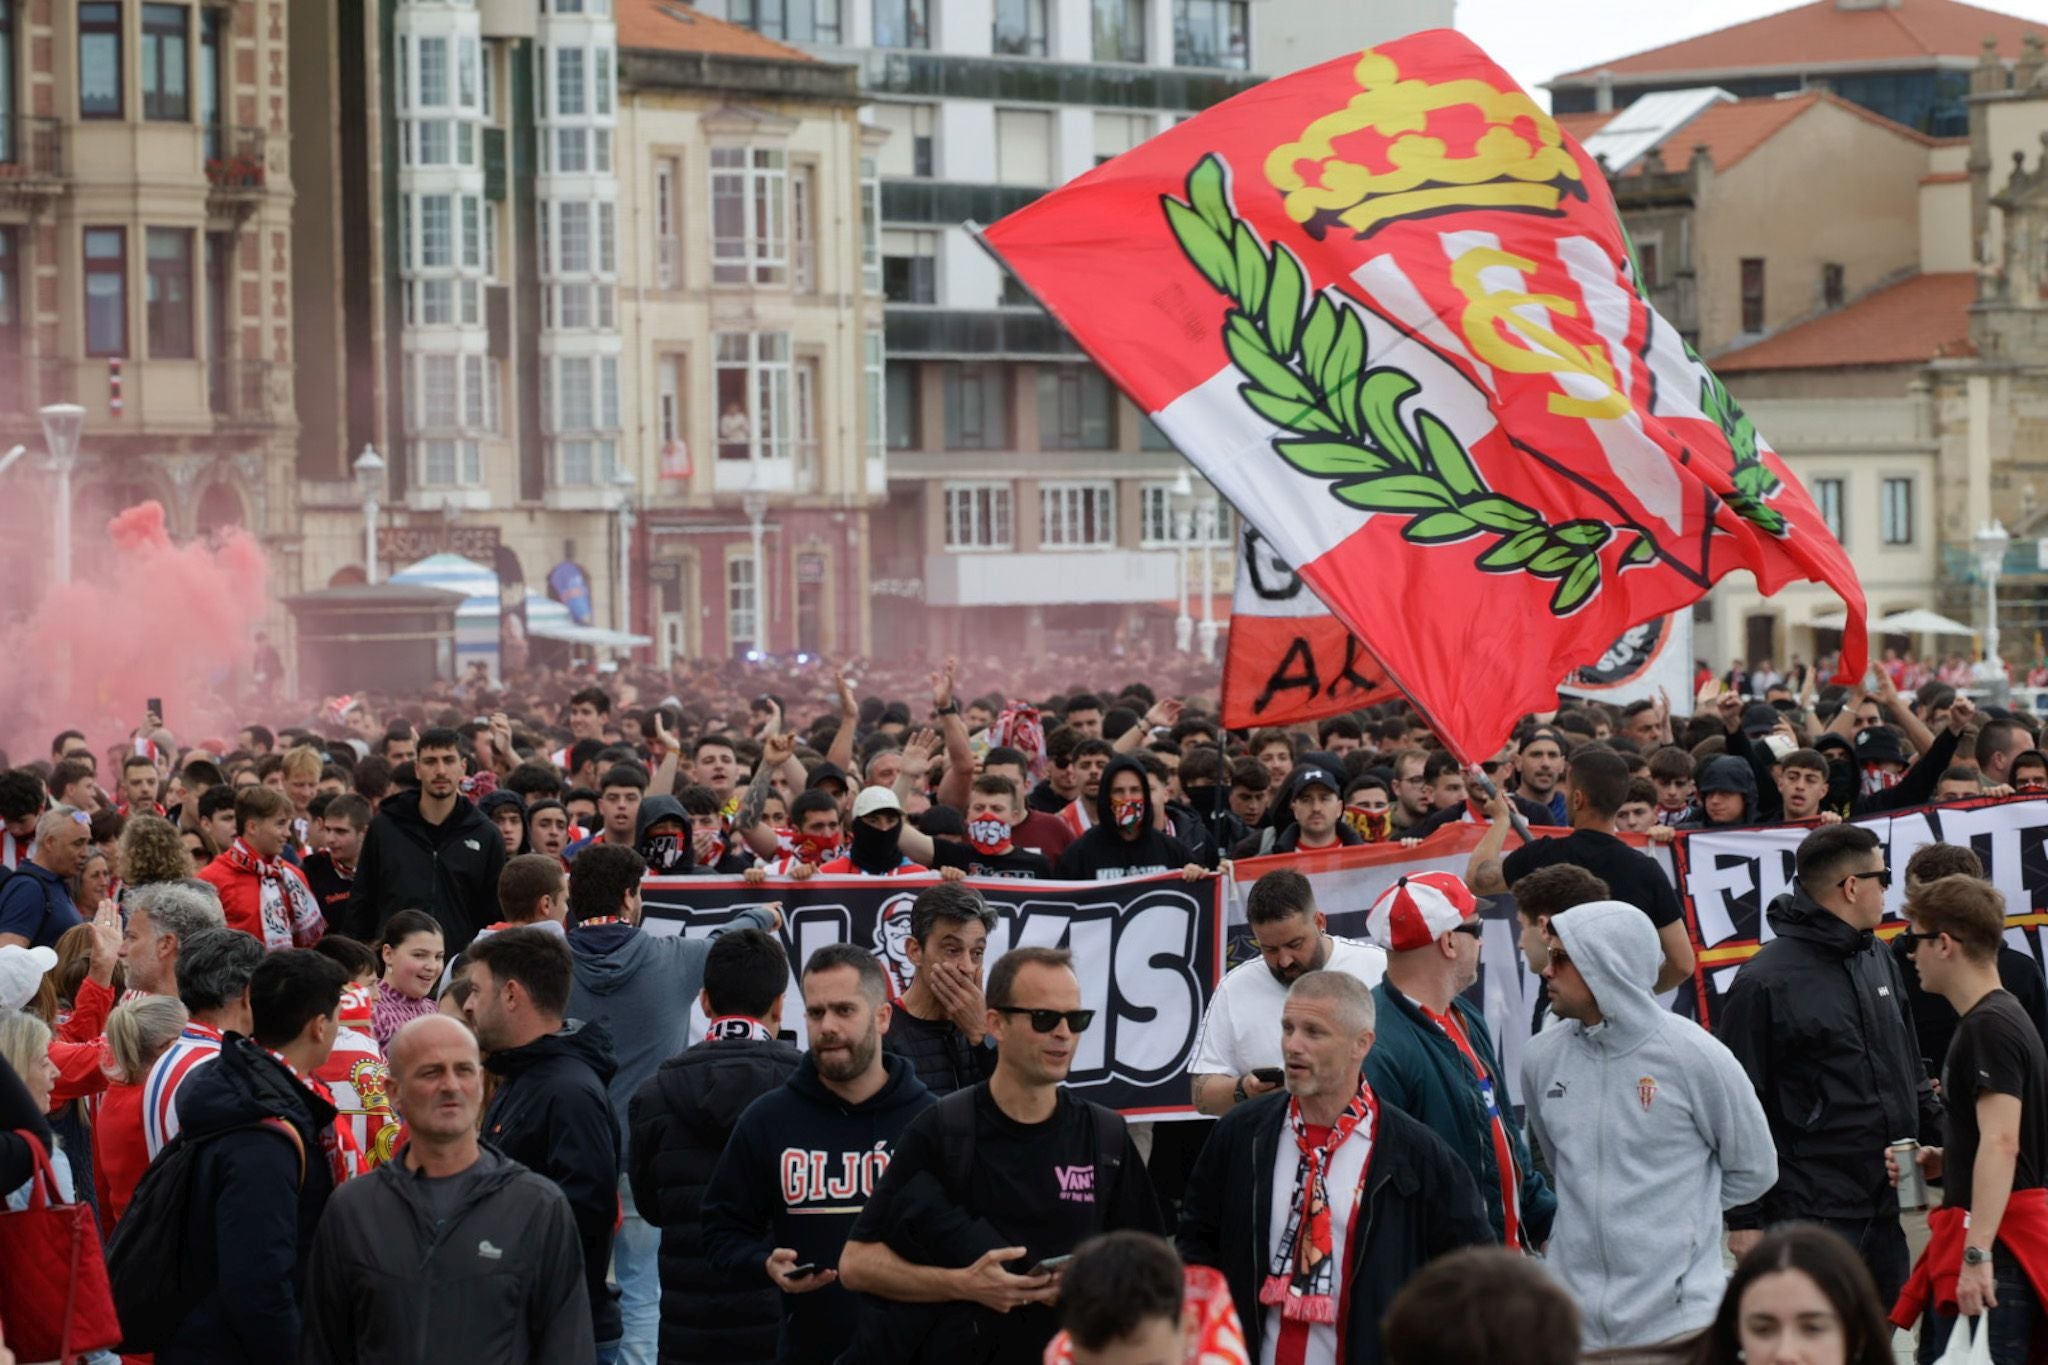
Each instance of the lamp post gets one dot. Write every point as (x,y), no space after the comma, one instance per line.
(626,485)
(369,468)
(1206,521)
(62,423)
(1990,543)
(754,503)
(1180,499)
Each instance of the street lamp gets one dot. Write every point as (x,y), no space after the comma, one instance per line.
(623,481)
(754,502)
(1990,543)
(369,468)
(1206,523)
(1180,499)
(62,423)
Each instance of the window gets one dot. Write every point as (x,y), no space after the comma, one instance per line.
(873,370)
(582,409)
(909,149)
(1020,28)
(1150,437)
(443,462)
(569,75)
(1116,134)
(437,231)
(106,292)
(601,81)
(1831,285)
(99,60)
(1024,147)
(870,227)
(910,266)
(795,21)
(210,79)
(903,23)
(742,602)
(1119,30)
(1752,294)
(433,76)
(1212,33)
(1827,495)
(977,413)
(802,229)
(1074,404)
(166,64)
(900,397)
(668,255)
(754,402)
(1156,519)
(167,287)
(1076,515)
(749,216)
(1647,254)
(978,516)
(440,400)
(1896,513)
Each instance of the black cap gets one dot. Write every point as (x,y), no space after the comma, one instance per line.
(1759,718)
(1879,744)
(1313,777)
(829,772)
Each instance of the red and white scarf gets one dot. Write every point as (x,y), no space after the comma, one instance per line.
(291,917)
(1303,1276)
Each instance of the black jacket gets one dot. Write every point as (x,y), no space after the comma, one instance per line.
(1819,1020)
(1104,855)
(1419,1202)
(501,1278)
(553,1116)
(1288,840)
(253,1214)
(1916,787)
(449,870)
(680,1123)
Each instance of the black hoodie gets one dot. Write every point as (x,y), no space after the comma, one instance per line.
(1104,855)
(449,870)
(253,1214)
(553,1115)
(834,1154)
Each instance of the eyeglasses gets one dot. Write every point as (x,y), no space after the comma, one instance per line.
(1883,877)
(1045,1021)
(1470,926)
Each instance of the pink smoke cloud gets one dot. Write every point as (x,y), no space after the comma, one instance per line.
(144,618)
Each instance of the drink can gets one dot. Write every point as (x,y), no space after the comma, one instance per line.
(1912,1182)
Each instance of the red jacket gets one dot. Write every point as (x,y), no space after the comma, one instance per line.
(2023,1232)
(119,1153)
(80,1046)
(241,897)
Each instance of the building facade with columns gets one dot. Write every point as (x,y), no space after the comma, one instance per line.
(145,260)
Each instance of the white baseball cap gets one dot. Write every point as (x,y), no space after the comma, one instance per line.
(872,799)
(21,974)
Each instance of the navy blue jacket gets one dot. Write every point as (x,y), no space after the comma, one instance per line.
(252,1218)
(553,1116)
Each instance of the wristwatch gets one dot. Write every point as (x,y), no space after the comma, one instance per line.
(1976,1255)
(951,708)
(1239,1093)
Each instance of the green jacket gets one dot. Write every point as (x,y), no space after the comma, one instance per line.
(1416,1067)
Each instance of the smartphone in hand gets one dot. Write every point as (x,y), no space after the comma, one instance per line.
(1269,1075)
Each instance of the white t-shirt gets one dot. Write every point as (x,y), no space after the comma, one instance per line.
(1242,1028)
(1347,1173)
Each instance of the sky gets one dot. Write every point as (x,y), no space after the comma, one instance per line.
(1536,41)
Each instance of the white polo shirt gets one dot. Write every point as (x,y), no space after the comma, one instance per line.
(1241,1031)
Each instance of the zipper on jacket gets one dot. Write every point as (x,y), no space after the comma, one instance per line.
(1599,1201)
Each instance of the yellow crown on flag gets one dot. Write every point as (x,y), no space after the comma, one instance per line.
(1505,169)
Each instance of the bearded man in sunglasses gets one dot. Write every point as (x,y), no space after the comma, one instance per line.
(1819,1020)
(990,1190)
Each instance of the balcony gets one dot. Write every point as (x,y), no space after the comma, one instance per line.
(237,173)
(1049,578)
(238,391)
(778,467)
(31,160)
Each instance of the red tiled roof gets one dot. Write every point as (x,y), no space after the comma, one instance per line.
(1825,33)
(675,26)
(1909,323)
(1583,126)
(1731,131)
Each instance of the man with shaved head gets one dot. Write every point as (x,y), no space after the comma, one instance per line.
(446,1211)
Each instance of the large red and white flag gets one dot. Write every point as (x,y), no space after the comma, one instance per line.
(1387,307)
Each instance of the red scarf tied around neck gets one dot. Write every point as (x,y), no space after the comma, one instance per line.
(1303,1274)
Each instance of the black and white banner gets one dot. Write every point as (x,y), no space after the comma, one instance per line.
(1148,951)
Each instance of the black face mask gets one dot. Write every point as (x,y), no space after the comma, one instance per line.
(1207,801)
(666,852)
(874,850)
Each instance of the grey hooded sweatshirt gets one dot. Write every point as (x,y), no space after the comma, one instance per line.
(1652,1129)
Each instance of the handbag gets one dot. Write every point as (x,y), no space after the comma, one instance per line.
(1967,1347)
(54,1295)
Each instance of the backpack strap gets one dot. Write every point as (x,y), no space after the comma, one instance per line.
(277,1125)
(1109,1129)
(956,1141)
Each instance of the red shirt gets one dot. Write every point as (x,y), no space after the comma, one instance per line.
(1503,1149)
(119,1153)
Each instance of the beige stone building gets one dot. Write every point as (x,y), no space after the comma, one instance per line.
(751,314)
(146,256)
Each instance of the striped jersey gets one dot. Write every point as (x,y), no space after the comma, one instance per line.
(193,1048)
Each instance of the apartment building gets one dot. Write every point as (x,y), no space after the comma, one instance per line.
(1030,505)
(145,254)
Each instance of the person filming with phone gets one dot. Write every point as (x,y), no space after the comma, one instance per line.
(991,1191)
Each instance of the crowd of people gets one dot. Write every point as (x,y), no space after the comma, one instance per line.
(346,1034)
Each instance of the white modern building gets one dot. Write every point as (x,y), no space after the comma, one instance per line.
(1031,506)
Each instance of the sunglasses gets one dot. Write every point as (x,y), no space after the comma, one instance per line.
(1045,1021)
(1470,926)
(1883,877)
(1913,939)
